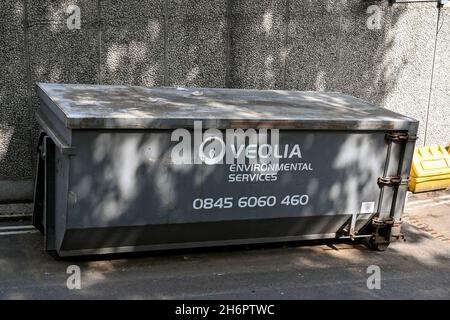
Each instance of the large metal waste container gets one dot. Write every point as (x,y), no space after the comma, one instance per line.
(124,168)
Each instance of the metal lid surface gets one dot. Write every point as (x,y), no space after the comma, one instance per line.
(81,106)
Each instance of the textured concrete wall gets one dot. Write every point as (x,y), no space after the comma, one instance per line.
(364,68)
(401,63)
(313,44)
(257,44)
(196,43)
(409,60)
(132,42)
(438,124)
(15,116)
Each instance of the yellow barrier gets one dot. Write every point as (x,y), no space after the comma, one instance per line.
(430,169)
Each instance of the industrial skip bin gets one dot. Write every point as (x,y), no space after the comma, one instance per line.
(124,168)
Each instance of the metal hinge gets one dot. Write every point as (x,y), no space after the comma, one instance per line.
(42,147)
(380,223)
(399,137)
(392,181)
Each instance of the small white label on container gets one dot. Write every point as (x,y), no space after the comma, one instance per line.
(367,207)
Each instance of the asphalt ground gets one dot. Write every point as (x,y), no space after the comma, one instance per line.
(418,268)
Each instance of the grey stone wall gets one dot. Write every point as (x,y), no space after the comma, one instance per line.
(401,64)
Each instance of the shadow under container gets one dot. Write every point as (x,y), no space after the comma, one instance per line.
(124,169)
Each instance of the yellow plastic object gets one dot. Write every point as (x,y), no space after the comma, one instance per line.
(430,169)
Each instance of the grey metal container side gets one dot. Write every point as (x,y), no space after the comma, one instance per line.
(107,181)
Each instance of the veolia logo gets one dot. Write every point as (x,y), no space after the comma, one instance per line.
(237,146)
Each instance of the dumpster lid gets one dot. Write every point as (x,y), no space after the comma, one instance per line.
(81,106)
